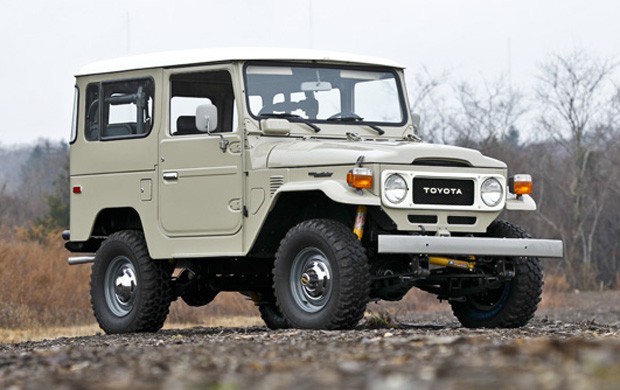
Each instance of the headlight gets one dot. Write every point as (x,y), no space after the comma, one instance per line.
(491,192)
(395,188)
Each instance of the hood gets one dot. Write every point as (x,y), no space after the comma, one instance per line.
(317,152)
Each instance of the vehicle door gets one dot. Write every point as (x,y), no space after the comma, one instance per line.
(200,191)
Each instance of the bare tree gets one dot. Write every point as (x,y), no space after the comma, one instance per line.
(487,116)
(577,99)
(428,99)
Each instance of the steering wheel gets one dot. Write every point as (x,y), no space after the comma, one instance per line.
(346,115)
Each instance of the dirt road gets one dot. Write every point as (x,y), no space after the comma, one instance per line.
(574,347)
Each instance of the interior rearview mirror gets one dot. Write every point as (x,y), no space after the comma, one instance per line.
(206,117)
(314,86)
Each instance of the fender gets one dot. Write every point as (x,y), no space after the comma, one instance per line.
(335,190)
(523,203)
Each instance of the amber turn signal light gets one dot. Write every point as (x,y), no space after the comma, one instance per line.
(520,184)
(360,178)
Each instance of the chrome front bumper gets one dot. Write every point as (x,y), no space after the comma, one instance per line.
(465,246)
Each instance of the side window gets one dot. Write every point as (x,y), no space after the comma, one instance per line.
(183,114)
(190,90)
(91,131)
(74,123)
(119,109)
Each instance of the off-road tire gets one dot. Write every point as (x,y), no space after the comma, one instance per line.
(272,316)
(153,292)
(520,297)
(340,250)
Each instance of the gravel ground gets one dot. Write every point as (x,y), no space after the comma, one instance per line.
(573,347)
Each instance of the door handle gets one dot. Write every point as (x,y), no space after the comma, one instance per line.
(171,176)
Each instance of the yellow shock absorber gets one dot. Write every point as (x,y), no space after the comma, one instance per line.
(360,222)
(445,262)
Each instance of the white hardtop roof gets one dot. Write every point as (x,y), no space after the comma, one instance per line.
(205,56)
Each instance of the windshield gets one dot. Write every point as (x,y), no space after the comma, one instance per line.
(324,94)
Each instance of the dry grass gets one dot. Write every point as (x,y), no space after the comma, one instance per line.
(554,291)
(37,287)
(226,304)
(53,332)
(389,314)
(44,297)
(46,333)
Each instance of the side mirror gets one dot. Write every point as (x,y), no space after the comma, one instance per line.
(206,118)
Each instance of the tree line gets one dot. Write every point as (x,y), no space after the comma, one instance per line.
(34,186)
(564,132)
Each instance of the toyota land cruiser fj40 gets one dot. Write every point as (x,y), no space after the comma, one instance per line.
(294,177)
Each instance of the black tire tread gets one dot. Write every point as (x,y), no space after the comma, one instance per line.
(354,270)
(155,282)
(272,316)
(526,287)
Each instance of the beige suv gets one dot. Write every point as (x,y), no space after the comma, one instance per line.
(295,177)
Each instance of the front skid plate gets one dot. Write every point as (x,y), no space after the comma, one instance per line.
(478,246)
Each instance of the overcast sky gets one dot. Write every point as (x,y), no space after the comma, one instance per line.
(43,43)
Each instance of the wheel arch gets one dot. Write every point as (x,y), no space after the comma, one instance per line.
(107,222)
(111,220)
(286,212)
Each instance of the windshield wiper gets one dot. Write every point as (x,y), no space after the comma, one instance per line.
(291,118)
(355,118)
(379,130)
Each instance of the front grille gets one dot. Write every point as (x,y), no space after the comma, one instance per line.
(453,192)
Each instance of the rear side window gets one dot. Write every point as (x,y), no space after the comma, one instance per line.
(118,110)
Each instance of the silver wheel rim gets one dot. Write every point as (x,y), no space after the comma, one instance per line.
(120,286)
(311,280)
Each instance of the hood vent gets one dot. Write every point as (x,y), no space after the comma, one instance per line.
(433,162)
(275,182)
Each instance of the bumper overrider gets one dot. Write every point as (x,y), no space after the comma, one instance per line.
(465,246)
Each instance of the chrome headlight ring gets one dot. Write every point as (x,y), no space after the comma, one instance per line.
(491,192)
(395,188)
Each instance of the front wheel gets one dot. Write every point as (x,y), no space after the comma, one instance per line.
(321,276)
(130,292)
(511,304)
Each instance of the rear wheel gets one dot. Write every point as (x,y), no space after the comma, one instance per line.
(321,276)
(511,304)
(130,292)
(271,314)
